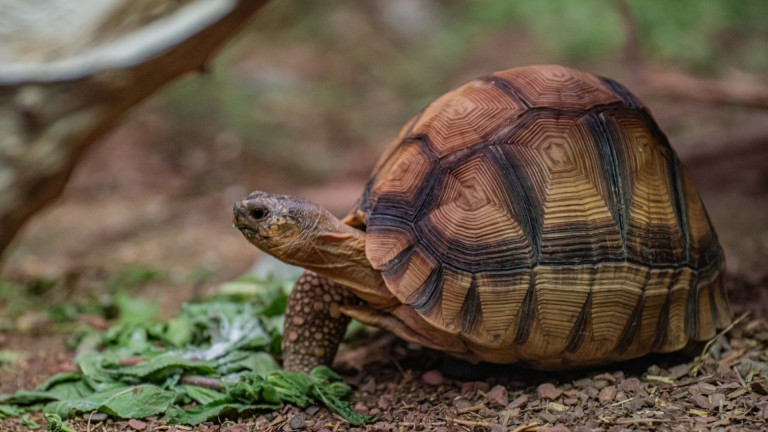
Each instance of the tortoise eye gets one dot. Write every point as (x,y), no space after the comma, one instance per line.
(259,213)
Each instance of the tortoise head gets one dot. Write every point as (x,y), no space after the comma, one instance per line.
(279,225)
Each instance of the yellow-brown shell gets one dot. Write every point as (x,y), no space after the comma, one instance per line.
(540,212)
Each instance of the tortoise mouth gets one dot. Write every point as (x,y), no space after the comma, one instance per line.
(246,230)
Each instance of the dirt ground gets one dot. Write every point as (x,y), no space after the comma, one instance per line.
(410,388)
(145,197)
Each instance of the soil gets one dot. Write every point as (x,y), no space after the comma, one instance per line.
(133,201)
(409,387)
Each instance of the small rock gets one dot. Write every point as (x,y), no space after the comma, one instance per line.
(424,407)
(374,411)
(297,422)
(607,395)
(137,424)
(715,400)
(433,377)
(702,388)
(653,370)
(605,376)
(498,428)
(361,408)
(583,382)
(631,385)
(548,391)
(548,417)
(571,393)
(700,401)
(592,423)
(462,403)
(498,396)
(621,396)
(313,410)
(369,386)
(3,339)
(385,401)
(591,392)
(678,371)
(760,386)
(636,403)
(520,401)
(571,401)
(468,389)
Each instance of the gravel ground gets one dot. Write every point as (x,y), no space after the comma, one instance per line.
(722,386)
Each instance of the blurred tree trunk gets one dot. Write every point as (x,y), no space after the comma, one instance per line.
(70,70)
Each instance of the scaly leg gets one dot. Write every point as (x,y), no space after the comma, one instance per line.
(314,324)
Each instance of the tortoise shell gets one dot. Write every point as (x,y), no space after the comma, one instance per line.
(540,212)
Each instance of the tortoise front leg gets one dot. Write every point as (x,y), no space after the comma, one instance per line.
(314,324)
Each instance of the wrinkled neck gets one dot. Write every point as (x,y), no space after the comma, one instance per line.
(337,251)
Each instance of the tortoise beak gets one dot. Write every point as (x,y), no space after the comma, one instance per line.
(240,216)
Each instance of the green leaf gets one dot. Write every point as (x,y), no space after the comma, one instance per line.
(9,411)
(199,414)
(135,310)
(164,365)
(259,363)
(127,402)
(203,395)
(55,424)
(28,422)
(179,331)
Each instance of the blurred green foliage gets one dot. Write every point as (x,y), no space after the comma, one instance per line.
(313,85)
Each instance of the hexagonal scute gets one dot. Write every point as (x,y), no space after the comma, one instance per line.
(557,158)
(474,224)
(558,87)
(399,187)
(466,116)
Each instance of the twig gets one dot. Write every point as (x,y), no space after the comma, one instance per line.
(723,331)
(620,403)
(469,422)
(702,379)
(527,427)
(699,360)
(89,420)
(471,409)
(199,381)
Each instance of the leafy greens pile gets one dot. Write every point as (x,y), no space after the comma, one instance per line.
(214,359)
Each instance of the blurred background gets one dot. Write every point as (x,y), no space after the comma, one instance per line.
(310,94)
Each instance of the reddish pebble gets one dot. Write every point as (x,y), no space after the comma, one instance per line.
(137,424)
(548,391)
(631,385)
(433,377)
(520,401)
(498,396)
(607,394)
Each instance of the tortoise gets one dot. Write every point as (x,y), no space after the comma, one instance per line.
(537,215)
